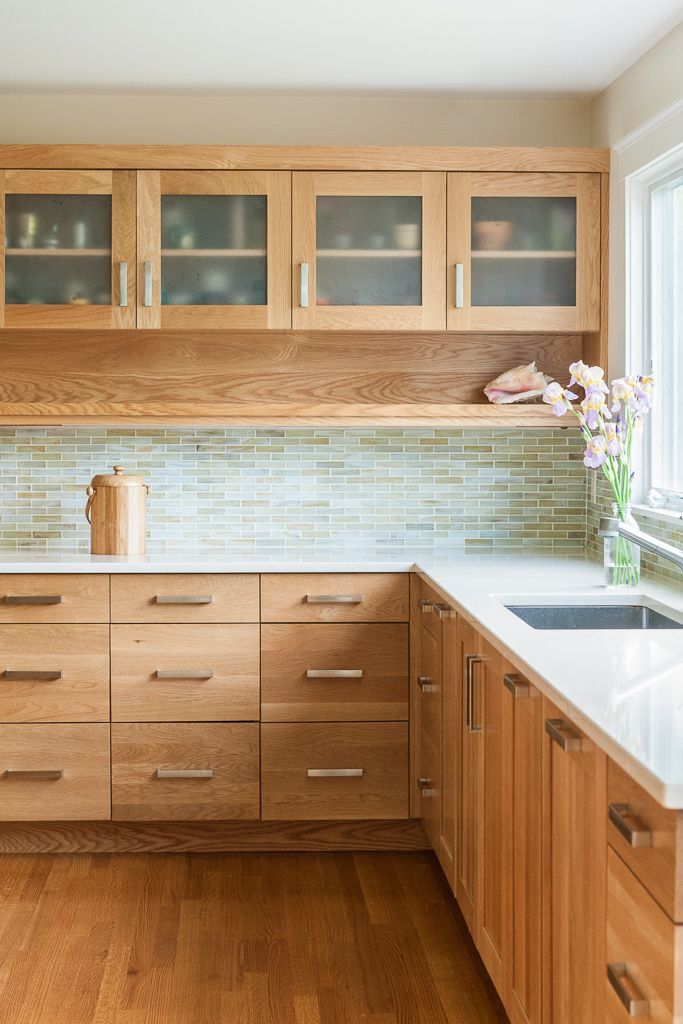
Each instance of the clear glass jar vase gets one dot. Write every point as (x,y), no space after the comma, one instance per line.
(621,556)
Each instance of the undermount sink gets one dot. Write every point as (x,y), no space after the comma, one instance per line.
(593,616)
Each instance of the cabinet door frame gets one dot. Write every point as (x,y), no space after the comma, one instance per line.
(585,187)
(121,186)
(431,186)
(276,186)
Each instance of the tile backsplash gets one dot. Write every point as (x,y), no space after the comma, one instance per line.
(288,487)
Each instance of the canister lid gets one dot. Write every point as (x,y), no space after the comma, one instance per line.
(117,479)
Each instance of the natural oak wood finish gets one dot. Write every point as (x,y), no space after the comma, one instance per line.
(384,597)
(227,654)
(451,712)
(288,751)
(234,597)
(468,860)
(431,187)
(83,597)
(230,750)
(430,690)
(80,653)
(379,650)
(658,866)
(80,751)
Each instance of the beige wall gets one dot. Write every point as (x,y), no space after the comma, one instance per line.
(348,120)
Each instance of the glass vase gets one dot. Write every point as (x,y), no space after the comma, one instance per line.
(621,556)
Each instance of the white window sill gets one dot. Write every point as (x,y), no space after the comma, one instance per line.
(667,515)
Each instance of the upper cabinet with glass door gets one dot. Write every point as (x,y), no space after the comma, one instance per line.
(368,250)
(524,252)
(214,249)
(69,249)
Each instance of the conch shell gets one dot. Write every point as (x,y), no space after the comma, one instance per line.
(517,385)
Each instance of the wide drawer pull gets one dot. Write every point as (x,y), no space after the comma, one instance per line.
(183,599)
(334,673)
(34,773)
(554,727)
(516,684)
(628,995)
(332,773)
(42,674)
(334,598)
(184,673)
(184,773)
(33,599)
(637,837)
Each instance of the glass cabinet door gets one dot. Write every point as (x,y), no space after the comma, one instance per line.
(524,252)
(69,249)
(213,249)
(368,250)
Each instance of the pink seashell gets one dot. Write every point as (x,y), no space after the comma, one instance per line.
(517,385)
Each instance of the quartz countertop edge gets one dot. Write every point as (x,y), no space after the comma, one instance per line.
(623,688)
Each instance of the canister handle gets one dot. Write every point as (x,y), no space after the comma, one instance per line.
(90,491)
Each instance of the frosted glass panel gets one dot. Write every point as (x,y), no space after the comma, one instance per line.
(58,250)
(369,250)
(213,250)
(523,251)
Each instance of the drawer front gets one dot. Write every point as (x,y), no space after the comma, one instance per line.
(148,762)
(648,837)
(54,673)
(375,752)
(335,672)
(334,597)
(54,598)
(643,951)
(54,772)
(185,597)
(185,673)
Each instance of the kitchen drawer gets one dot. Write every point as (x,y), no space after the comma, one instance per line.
(648,837)
(48,597)
(185,673)
(54,673)
(225,756)
(644,952)
(54,772)
(334,597)
(299,662)
(376,752)
(185,597)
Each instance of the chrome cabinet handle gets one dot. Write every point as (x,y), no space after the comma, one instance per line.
(303,286)
(123,283)
(444,611)
(332,773)
(636,837)
(459,285)
(334,598)
(33,599)
(556,729)
(147,300)
(34,773)
(334,673)
(516,684)
(425,683)
(41,674)
(471,660)
(184,773)
(184,673)
(633,1001)
(425,605)
(183,599)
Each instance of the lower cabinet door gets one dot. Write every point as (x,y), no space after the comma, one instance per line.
(54,772)
(331,770)
(178,771)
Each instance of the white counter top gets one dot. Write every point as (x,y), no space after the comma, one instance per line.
(624,688)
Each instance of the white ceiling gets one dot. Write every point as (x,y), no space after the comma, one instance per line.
(410,46)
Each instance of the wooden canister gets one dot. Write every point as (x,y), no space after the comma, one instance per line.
(116,513)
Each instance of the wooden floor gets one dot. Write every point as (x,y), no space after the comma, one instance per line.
(335,938)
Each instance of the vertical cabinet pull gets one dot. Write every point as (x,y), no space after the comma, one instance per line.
(459,285)
(627,993)
(147,300)
(557,729)
(471,660)
(516,684)
(123,283)
(303,286)
(634,836)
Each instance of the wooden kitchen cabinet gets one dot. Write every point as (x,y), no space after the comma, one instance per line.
(468,653)
(523,251)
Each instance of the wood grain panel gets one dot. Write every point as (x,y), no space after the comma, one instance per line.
(3,240)
(80,653)
(227,654)
(48,182)
(384,597)
(288,751)
(124,247)
(230,750)
(468,882)
(83,597)
(80,751)
(149,247)
(378,650)
(588,280)
(234,597)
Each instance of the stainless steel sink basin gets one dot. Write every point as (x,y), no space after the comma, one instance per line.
(593,616)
